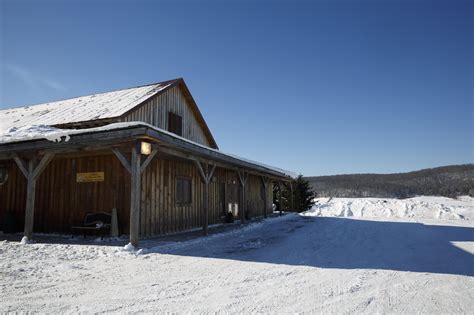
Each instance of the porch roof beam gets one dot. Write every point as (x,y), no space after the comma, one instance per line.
(110,138)
(209,154)
(191,157)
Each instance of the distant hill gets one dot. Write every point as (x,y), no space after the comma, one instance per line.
(448,181)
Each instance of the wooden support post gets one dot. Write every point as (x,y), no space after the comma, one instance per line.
(265,185)
(148,160)
(291,192)
(243,181)
(30,201)
(31,172)
(280,197)
(122,160)
(205,217)
(135,167)
(206,176)
(135,191)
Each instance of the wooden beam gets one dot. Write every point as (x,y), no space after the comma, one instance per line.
(265,185)
(21,165)
(206,177)
(42,165)
(110,138)
(280,199)
(99,138)
(242,177)
(291,200)
(31,172)
(148,160)
(135,195)
(200,170)
(211,173)
(228,166)
(122,160)
(243,180)
(205,217)
(211,154)
(30,201)
(135,168)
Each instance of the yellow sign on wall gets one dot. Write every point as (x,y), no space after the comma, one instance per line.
(90,177)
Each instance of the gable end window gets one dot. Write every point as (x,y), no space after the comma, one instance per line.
(183,190)
(175,124)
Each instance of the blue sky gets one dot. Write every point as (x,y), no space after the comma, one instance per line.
(321,87)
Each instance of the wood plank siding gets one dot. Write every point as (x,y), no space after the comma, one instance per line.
(155,112)
(62,202)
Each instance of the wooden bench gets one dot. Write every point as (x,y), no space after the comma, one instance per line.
(100,222)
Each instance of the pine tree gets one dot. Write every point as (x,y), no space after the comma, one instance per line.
(303,194)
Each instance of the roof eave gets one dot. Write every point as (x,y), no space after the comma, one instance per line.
(116,137)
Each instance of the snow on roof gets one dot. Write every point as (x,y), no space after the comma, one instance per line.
(37,132)
(83,108)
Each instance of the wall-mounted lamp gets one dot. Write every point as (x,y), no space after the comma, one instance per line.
(145,148)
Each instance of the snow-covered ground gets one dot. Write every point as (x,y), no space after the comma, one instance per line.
(418,262)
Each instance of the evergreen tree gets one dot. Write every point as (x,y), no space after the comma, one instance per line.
(303,194)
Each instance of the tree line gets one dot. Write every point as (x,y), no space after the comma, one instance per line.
(449,181)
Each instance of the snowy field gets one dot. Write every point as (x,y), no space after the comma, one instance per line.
(343,256)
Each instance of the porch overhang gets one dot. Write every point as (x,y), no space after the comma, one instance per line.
(124,135)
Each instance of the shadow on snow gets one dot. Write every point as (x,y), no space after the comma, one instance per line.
(324,242)
(327,242)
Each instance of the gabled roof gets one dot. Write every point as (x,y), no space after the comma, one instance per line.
(103,106)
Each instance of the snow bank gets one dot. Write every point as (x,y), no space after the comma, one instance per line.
(129,248)
(419,207)
(24,240)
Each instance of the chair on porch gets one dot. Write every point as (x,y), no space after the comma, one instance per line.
(100,222)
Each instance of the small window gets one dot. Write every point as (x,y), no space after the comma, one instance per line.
(175,124)
(183,190)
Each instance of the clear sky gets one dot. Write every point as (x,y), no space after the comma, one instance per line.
(317,87)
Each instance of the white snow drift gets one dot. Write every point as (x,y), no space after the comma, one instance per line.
(418,207)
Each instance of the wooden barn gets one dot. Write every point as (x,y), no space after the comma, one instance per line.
(146,152)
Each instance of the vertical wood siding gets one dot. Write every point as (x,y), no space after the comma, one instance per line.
(62,202)
(155,112)
(13,194)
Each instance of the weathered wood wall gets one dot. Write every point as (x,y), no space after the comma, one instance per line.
(254,195)
(13,194)
(62,202)
(160,212)
(155,112)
